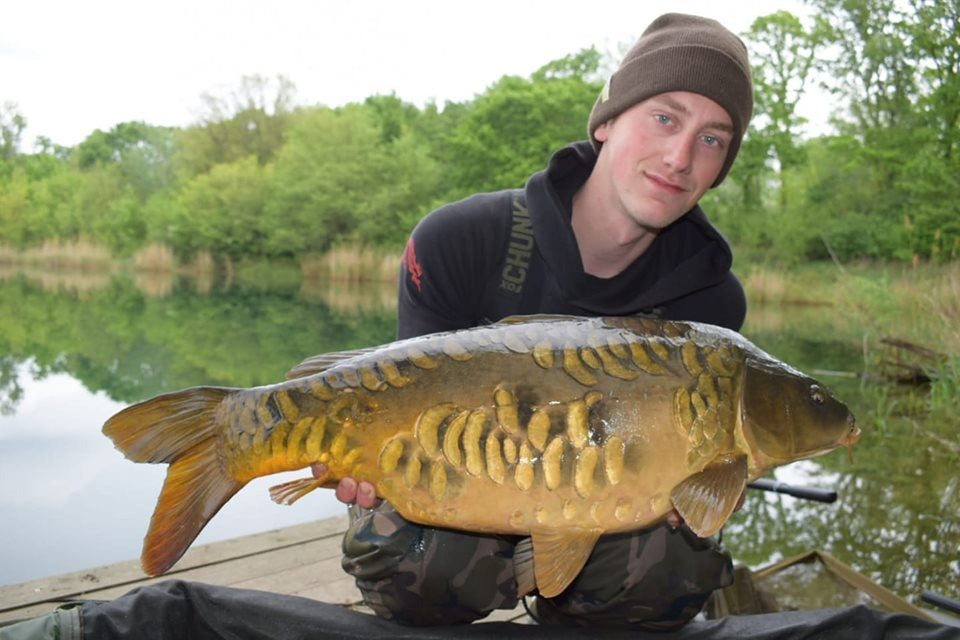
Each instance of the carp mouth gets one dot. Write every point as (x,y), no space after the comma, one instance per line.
(851,438)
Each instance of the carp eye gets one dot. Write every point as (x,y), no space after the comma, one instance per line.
(817,395)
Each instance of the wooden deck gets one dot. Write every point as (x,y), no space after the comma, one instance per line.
(302,560)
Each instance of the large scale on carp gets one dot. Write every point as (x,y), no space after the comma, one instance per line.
(554,427)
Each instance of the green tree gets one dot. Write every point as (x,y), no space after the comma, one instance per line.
(220,211)
(12,125)
(14,204)
(871,69)
(934,32)
(884,190)
(249,121)
(141,153)
(782,54)
(511,130)
(344,176)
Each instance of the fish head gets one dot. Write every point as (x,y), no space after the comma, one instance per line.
(790,416)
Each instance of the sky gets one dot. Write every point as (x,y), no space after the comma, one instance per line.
(73,67)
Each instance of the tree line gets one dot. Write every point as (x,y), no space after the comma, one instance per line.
(259,176)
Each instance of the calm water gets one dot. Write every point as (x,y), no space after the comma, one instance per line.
(72,354)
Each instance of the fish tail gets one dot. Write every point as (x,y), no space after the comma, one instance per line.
(179,429)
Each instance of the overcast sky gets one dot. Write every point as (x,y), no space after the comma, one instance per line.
(76,66)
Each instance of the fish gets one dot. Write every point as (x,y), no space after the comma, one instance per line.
(556,428)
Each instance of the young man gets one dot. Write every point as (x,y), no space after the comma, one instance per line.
(612,227)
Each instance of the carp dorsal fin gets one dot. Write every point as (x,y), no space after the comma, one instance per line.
(706,499)
(559,555)
(536,317)
(323,361)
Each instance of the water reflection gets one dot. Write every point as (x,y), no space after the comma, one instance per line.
(75,503)
(897,519)
(71,356)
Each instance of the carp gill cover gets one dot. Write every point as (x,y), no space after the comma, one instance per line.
(555,427)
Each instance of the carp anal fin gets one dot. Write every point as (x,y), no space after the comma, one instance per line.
(289,492)
(324,361)
(559,555)
(180,429)
(706,500)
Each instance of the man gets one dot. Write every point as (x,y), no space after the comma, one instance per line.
(612,227)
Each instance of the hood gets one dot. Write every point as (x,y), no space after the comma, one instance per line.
(689,255)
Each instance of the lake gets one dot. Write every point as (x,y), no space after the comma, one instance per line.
(73,351)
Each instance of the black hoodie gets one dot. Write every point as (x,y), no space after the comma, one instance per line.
(514,252)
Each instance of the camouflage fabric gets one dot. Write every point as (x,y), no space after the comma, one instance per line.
(655,579)
(424,576)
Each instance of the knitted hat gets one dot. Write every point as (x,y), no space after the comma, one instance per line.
(679,52)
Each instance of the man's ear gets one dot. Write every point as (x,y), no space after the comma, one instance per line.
(602,132)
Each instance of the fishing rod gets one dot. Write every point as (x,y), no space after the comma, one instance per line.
(941,601)
(807,493)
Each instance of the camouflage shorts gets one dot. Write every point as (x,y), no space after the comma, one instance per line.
(656,578)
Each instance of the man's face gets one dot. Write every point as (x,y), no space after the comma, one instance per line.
(661,155)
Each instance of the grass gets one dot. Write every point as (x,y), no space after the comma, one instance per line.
(918,304)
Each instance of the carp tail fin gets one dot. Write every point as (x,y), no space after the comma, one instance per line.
(179,429)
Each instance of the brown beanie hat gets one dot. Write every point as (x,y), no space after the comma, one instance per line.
(680,52)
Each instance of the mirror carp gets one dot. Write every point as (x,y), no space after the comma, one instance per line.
(559,428)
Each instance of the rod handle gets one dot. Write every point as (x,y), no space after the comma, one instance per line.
(941,601)
(807,493)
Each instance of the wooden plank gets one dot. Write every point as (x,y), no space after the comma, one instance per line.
(292,577)
(126,575)
(268,570)
(303,560)
(341,590)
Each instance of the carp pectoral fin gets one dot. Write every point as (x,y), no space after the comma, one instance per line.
(559,555)
(706,499)
(289,492)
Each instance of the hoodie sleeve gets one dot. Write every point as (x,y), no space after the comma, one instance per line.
(446,266)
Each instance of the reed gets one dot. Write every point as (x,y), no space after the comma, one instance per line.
(155,284)
(764,285)
(201,264)
(351,263)
(351,297)
(814,284)
(80,284)
(9,255)
(155,258)
(201,270)
(76,254)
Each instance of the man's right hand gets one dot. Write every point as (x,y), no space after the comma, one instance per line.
(349,491)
